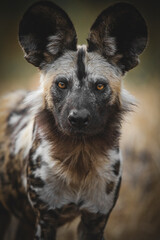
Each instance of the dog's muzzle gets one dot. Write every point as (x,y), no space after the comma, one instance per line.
(79,118)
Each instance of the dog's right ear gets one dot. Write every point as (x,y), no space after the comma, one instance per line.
(45,32)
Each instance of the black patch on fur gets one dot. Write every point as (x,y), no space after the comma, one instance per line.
(109,187)
(21,113)
(32,193)
(117,190)
(36,182)
(39,161)
(2,158)
(80,203)
(116,168)
(91,226)
(81,73)
(2,178)
(117,149)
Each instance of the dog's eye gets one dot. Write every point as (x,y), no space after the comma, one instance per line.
(62,85)
(100,86)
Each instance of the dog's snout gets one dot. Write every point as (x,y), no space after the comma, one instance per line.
(79,118)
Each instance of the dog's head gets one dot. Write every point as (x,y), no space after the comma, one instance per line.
(82,85)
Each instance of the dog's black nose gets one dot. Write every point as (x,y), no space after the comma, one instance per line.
(79,118)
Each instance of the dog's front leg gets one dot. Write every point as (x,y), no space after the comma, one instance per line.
(46,219)
(45,225)
(91,226)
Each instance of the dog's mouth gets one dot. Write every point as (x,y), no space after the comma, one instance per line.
(81,132)
(76,132)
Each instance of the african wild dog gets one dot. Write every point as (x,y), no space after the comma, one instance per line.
(59,145)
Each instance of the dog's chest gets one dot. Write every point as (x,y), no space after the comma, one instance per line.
(55,185)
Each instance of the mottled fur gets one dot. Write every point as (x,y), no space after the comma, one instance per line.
(59,146)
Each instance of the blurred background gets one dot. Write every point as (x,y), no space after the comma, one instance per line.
(137,213)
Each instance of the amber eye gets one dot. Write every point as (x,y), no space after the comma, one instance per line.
(61,85)
(100,86)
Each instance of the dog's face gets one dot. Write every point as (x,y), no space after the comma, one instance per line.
(82,86)
(81,89)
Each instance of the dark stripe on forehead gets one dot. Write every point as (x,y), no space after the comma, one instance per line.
(80,64)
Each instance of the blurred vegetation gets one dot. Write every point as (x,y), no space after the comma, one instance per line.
(15,71)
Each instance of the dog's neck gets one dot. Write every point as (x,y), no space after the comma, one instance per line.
(108,139)
(77,155)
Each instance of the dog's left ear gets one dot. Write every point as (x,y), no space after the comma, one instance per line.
(45,32)
(120,35)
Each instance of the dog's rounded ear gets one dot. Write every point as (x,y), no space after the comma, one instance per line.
(120,35)
(45,32)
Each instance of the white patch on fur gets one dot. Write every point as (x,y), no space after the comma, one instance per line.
(32,203)
(116,156)
(24,139)
(84,47)
(38,230)
(109,45)
(44,152)
(113,154)
(54,43)
(14,119)
(35,100)
(127,100)
(91,190)
(24,181)
(23,131)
